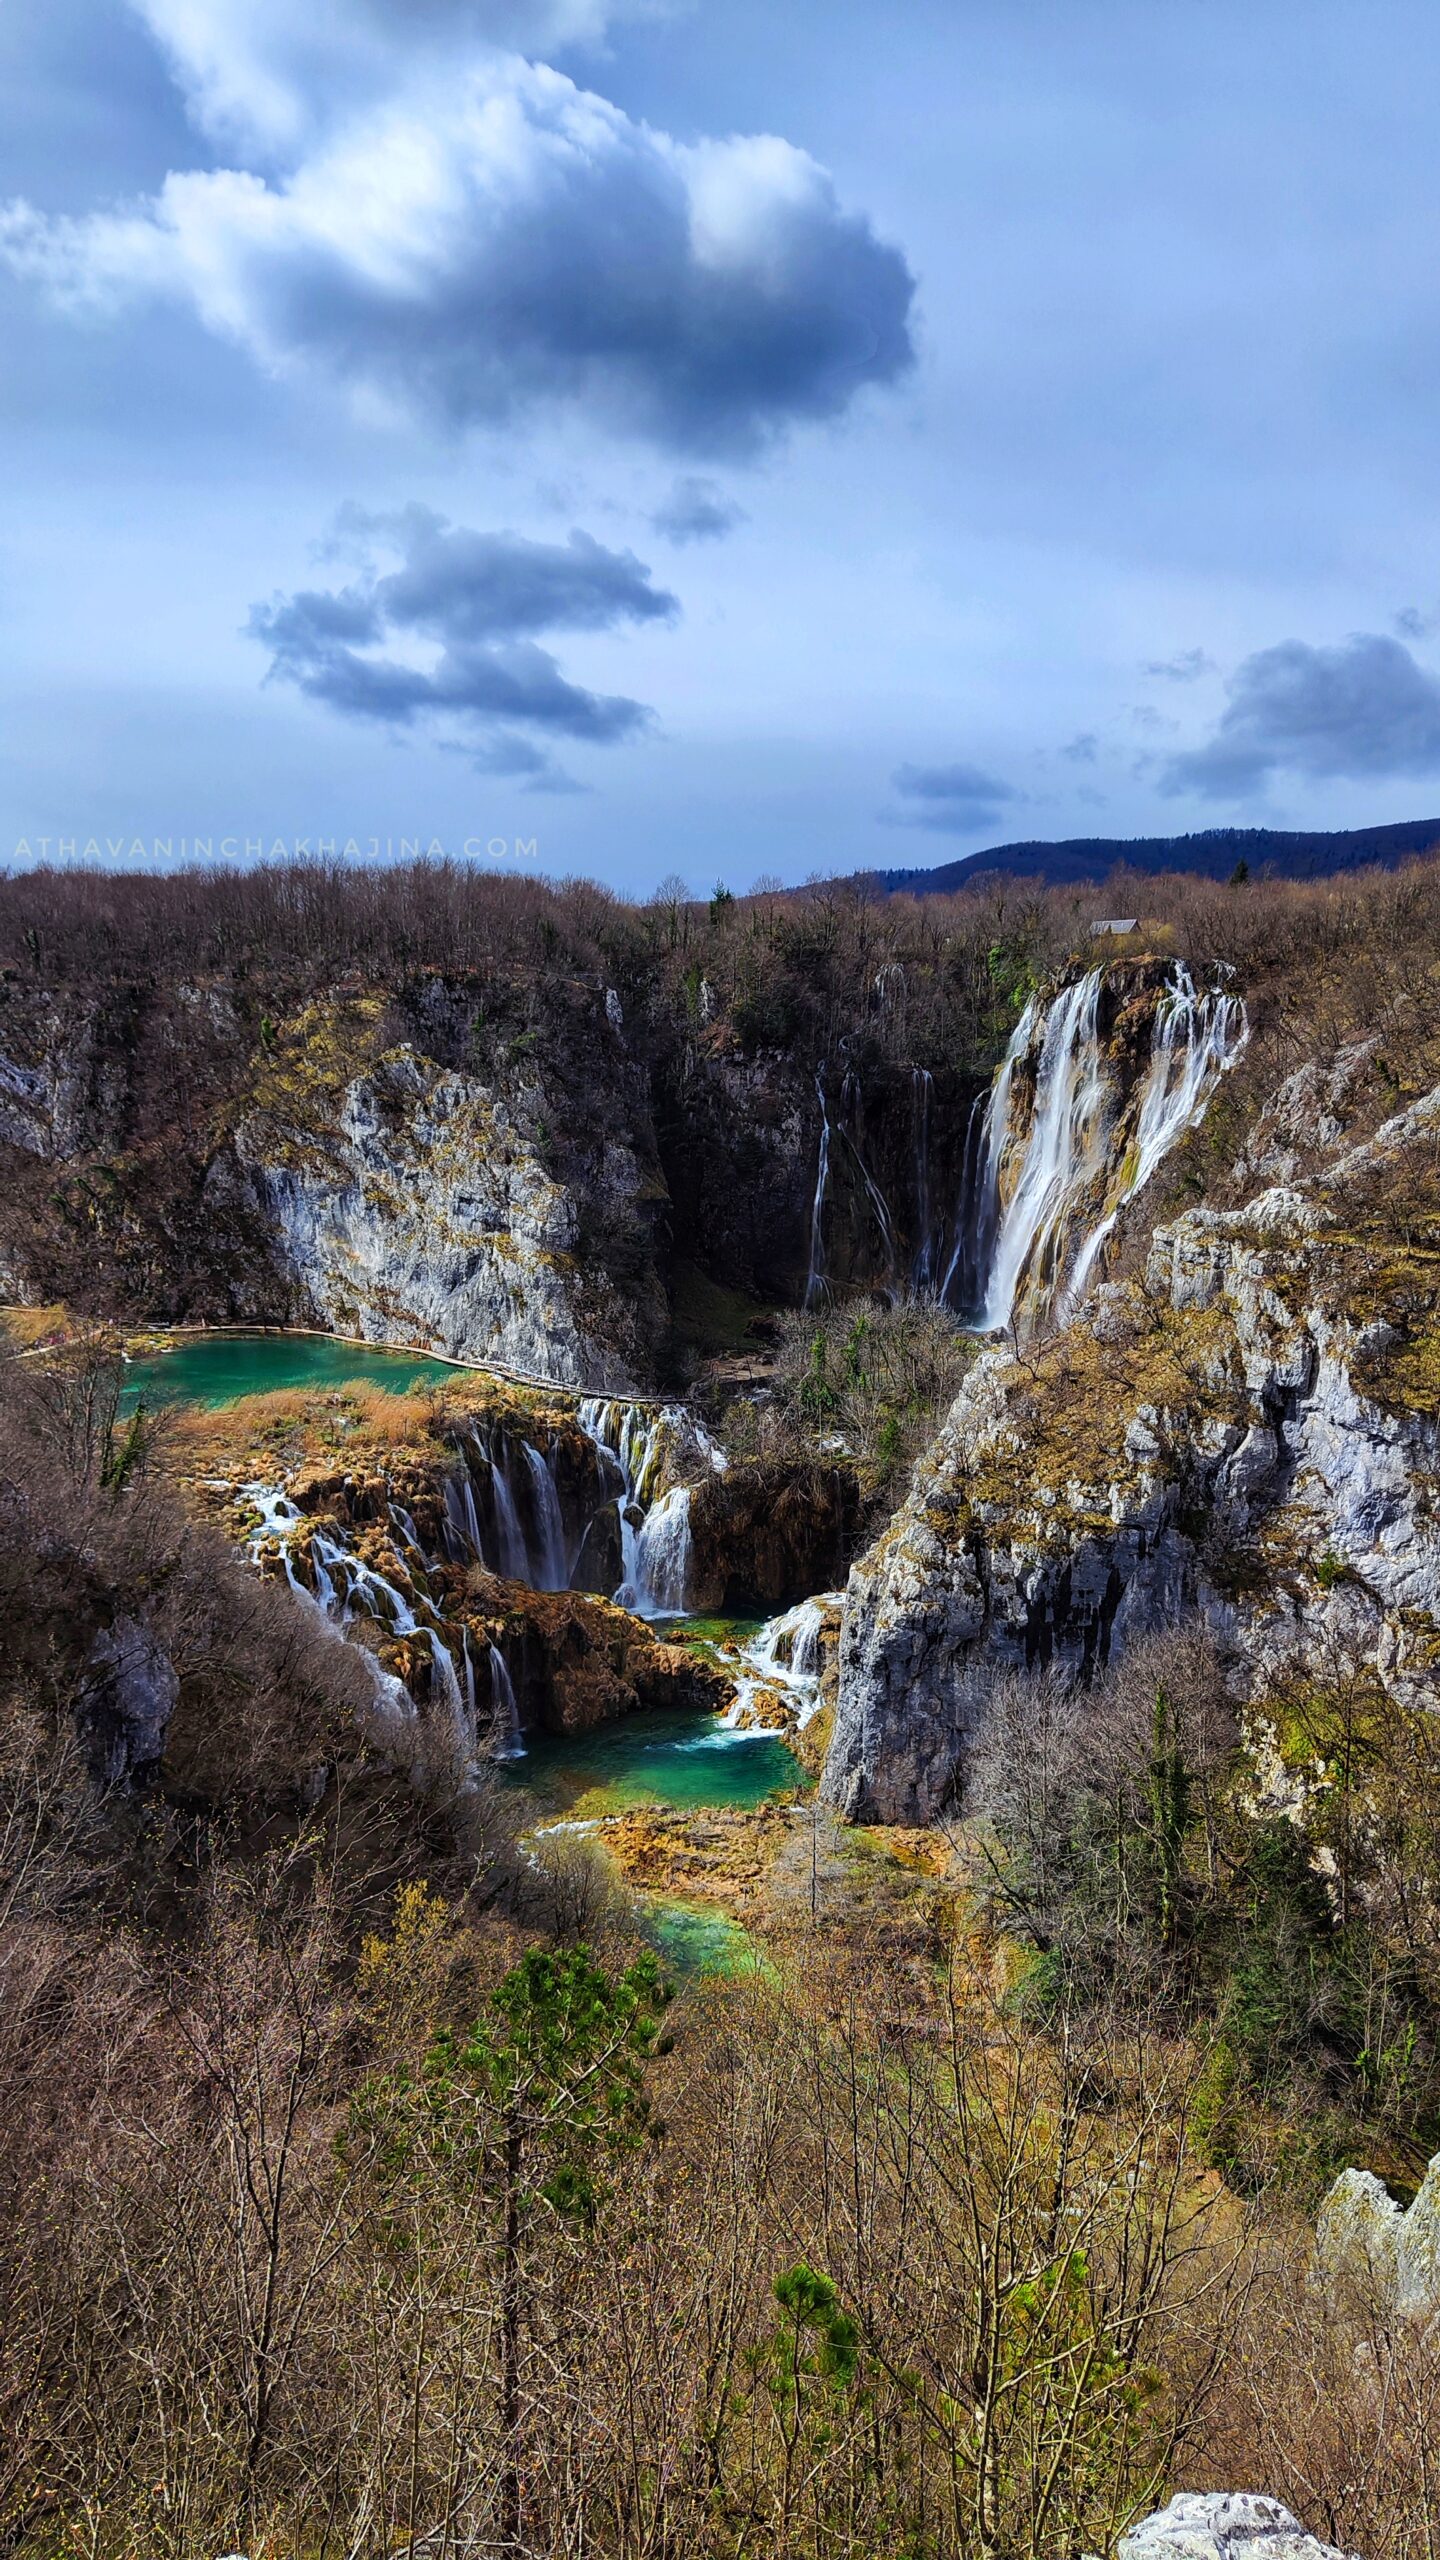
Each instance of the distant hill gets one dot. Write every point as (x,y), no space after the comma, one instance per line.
(1212,854)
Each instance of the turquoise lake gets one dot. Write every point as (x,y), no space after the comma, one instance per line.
(656,1759)
(219,1368)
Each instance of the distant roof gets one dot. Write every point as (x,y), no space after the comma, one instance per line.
(1114,924)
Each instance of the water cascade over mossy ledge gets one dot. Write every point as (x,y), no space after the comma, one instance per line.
(449,1523)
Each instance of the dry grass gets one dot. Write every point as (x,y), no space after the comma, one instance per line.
(273,1434)
(37,1328)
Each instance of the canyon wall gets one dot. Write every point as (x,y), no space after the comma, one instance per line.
(506,1169)
(1249,1428)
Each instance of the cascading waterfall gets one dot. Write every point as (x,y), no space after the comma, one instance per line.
(1064,1150)
(345,1583)
(963,1287)
(552,1571)
(850,1121)
(633,1442)
(1027,1189)
(1197,1039)
(847,1126)
(514,1563)
(655,1541)
(784,1656)
(394,1725)
(655,1586)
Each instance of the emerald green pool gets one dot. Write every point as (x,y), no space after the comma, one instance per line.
(218,1368)
(696,1941)
(656,1759)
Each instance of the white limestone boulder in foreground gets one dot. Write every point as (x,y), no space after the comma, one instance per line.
(1222,2526)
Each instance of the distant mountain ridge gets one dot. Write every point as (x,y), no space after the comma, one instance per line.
(1212,855)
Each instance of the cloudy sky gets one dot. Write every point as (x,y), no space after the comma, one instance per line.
(726,439)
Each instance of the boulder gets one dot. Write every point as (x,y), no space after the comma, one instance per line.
(1224,2525)
(1382,2257)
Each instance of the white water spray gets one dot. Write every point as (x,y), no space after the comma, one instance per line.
(784,1657)
(552,1571)
(507,1742)
(655,1543)
(1057,1167)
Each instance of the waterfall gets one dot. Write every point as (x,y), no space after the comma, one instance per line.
(660,1569)
(850,1119)
(1028,1187)
(447,1677)
(1197,1038)
(1064,1150)
(655,1546)
(403,1521)
(507,1742)
(393,1724)
(462,1523)
(784,1656)
(553,1571)
(815,1286)
(452,1764)
(963,1286)
(848,1128)
(923,1261)
(514,1564)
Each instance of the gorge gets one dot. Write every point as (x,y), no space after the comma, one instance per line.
(884,1461)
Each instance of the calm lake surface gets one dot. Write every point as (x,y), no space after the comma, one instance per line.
(219,1368)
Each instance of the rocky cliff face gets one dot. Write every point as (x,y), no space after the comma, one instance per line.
(416,1204)
(506,1169)
(1249,1429)
(768,1534)
(400,1165)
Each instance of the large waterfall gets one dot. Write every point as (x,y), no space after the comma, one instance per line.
(1062,1149)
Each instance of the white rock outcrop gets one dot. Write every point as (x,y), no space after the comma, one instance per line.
(1224,2526)
(1377,2256)
(424,1214)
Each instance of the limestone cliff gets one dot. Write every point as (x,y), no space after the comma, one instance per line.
(1249,1429)
(505,1166)
(411,1202)
(400,1164)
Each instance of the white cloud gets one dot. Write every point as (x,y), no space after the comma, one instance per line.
(266,73)
(492,236)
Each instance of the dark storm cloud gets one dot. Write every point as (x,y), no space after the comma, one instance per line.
(481,597)
(697,511)
(458,585)
(953,799)
(1364,708)
(477,242)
